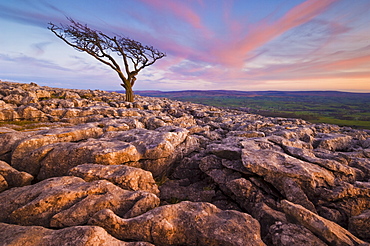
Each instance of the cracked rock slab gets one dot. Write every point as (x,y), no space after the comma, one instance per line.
(185,223)
(70,201)
(126,177)
(326,230)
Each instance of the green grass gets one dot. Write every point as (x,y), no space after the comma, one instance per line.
(23,125)
(351,123)
(343,109)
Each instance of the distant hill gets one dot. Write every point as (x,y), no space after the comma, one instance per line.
(334,107)
(215,93)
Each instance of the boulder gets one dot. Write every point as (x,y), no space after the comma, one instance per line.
(333,141)
(185,223)
(360,225)
(42,94)
(126,177)
(42,161)
(70,201)
(9,141)
(340,170)
(343,201)
(330,232)
(287,234)
(8,114)
(225,151)
(13,177)
(23,149)
(275,166)
(31,113)
(13,99)
(246,193)
(154,151)
(3,183)
(76,235)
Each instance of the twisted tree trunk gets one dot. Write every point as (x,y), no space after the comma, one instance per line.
(129,94)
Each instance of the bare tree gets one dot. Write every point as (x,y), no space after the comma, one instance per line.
(135,55)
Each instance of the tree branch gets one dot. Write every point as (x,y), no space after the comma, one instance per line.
(100,46)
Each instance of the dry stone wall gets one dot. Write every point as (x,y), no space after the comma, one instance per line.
(164,172)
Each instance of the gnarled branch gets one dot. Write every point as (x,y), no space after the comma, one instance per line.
(100,46)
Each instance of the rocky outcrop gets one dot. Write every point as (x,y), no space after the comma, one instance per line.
(164,172)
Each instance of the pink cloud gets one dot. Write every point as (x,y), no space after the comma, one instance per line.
(237,50)
(350,63)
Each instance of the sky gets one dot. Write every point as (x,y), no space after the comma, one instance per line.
(244,45)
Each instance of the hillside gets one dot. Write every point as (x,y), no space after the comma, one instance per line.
(341,108)
(84,167)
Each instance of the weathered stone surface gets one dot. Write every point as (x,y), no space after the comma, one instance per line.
(362,164)
(340,170)
(8,142)
(294,178)
(286,234)
(185,223)
(154,151)
(360,225)
(3,183)
(326,230)
(224,151)
(31,113)
(76,235)
(8,114)
(246,134)
(234,160)
(333,142)
(151,144)
(13,177)
(244,192)
(343,201)
(69,201)
(275,166)
(72,154)
(126,177)
(24,149)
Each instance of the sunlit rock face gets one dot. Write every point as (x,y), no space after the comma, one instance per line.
(84,167)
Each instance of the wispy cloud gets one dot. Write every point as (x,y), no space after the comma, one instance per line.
(209,45)
(32,62)
(235,52)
